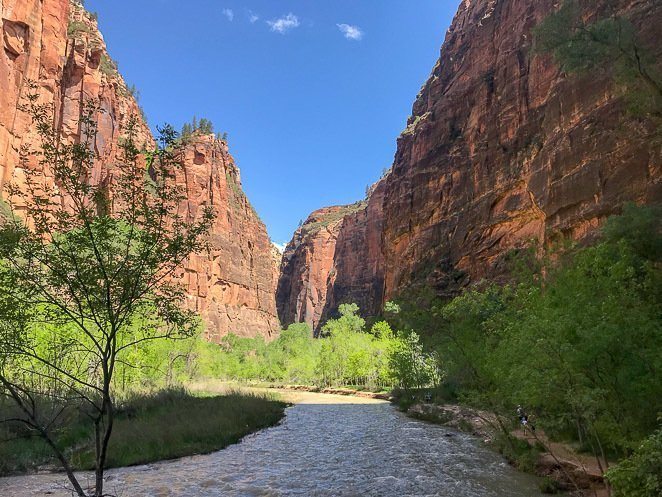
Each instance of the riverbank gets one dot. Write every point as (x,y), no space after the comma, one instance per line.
(221,386)
(149,428)
(563,468)
(329,391)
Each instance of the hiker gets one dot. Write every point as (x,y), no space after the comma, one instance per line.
(524,419)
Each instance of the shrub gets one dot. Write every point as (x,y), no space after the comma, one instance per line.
(76,29)
(641,474)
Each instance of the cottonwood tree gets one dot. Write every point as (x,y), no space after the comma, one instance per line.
(88,269)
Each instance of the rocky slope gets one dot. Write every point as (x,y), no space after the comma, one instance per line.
(58,45)
(503,151)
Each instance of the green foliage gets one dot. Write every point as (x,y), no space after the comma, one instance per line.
(410,366)
(347,354)
(581,349)
(610,44)
(349,321)
(550,486)
(519,452)
(202,127)
(85,285)
(639,229)
(76,29)
(108,67)
(641,474)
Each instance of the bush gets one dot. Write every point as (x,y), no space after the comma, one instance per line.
(107,66)
(518,452)
(75,29)
(549,486)
(641,474)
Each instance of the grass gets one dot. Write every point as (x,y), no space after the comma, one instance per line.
(148,428)
(518,452)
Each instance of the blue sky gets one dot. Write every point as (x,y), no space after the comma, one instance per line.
(312,93)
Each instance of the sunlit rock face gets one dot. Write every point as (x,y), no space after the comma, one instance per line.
(307,264)
(233,284)
(56,44)
(503,151)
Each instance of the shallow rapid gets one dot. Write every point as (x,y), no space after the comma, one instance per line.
(326,446)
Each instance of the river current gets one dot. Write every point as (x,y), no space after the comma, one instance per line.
(326,446)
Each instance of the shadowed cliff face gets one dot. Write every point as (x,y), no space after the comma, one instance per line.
(57,44)
(502,152)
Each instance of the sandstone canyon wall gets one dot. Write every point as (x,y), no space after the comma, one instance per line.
(56,44)
(233,285)
(502,151)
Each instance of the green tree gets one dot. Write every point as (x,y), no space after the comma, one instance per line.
(94,262)
(641,474)
(206,127)
(410,366)
(607,44)
(583,351)
(349,321)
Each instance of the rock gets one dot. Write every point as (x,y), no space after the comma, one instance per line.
(332,259)
(57,44)
(233,285)
(503,152)
(306,267)
(15,35)
(465,419)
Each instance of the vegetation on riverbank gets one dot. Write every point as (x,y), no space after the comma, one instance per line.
(165,425)
(348,353)
(580,347)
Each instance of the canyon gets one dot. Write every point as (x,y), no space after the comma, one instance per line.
(57,45)
(503,153)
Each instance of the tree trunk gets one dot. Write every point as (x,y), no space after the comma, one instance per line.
(102,441)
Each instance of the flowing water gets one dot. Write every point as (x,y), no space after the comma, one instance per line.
(326,446)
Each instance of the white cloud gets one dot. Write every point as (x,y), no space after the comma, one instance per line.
(350,32)
(280,246)
(229,13)
(284,24)
(253,17)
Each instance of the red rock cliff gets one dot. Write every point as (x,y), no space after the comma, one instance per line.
(233,285)
(502,151)
(57,44)
(306,267)
(334,258)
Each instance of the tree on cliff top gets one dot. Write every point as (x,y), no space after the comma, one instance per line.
(202,127)
(87,272)
(609,44)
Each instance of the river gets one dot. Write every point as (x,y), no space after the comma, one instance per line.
(326,446)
